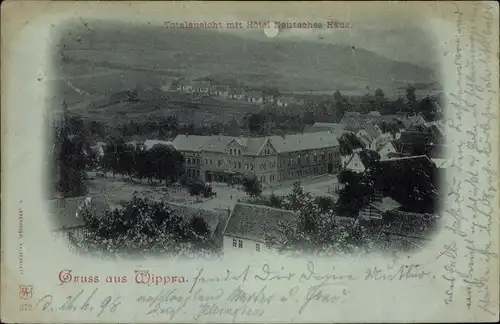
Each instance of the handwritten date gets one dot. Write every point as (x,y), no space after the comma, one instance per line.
(81,302)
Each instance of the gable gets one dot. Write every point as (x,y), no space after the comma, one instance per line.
(267,149)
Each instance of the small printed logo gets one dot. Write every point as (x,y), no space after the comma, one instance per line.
(25,291)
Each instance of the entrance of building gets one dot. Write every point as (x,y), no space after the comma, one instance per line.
(330,167)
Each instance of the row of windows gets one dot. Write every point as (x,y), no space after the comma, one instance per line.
(239,244)
(263,178)
(236,152)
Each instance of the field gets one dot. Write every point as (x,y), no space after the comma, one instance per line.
(119,191)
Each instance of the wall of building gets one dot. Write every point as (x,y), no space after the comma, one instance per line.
(247,245)
(306,163)
(192,164)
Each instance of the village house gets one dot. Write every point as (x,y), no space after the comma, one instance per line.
(202,87)
(250,226)
(236,94)
(255,97)
(377,207)
(271,159)
(390,149)
(68,213)
(221,91)
(184,86)
(216,220)
(285,101)
(137,145)
(149,144)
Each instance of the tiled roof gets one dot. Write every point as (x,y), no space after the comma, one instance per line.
(386,204)
(252,145)
(287,100)
(65,210)
(334,126)
(200,84)
(254,222)
(254,94)
(372,131)
(236,91)
(211,217)
(150,143)
(305,141)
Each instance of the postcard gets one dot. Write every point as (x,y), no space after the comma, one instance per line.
(250,162)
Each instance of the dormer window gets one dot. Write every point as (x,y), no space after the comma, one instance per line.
(239,152)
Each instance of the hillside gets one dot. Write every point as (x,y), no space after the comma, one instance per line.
(193,53)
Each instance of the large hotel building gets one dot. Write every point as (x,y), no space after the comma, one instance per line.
(271,159)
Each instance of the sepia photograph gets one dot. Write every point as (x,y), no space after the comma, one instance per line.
(205,141)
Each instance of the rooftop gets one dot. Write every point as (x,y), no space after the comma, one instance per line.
(252,145)
(254,222)
(65,210)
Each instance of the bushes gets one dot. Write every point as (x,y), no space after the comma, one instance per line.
(143,226)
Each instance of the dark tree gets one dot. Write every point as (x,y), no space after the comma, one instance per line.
(252,186)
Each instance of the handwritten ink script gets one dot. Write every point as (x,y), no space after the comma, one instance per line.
(470,211)
(248,292)
(251,291)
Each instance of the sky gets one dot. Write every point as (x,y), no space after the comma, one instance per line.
(407,42)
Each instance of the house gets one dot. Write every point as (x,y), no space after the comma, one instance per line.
(377,207)
(250,226)
(202,87)
(149,144)
(285,101)
(221,91)
(215,220)
(237,94)
(98,149)
(255,97)
(389,149)
(137,145)
(184,86)
(67,212)
(353,163)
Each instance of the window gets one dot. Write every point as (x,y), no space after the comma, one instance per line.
(188,161)
(251,166)
(257,247)
(234,242)
(230,151)
(239,165)
(239,152)
(246,166)
(240,244)
(206,161)
(315,158)
(219,162)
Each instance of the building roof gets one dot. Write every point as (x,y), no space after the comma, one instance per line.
(372,131)
(254,222)
(252,145)
(335,126)
(254,94)
(374,113)
(305,141)
(148,144)
(287,100)
(65,210)
(236,91)
(200,84)
(211,217)
(222,88)
(385,204)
